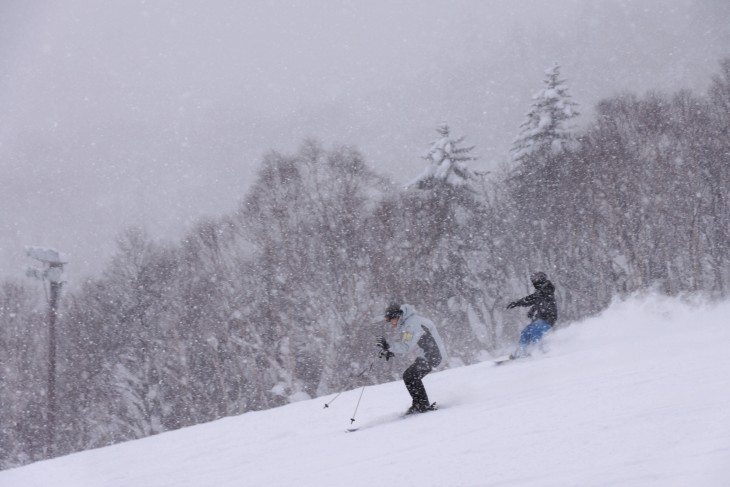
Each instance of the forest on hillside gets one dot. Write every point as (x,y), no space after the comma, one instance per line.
(282,299)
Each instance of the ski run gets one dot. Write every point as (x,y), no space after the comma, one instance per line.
(638,396)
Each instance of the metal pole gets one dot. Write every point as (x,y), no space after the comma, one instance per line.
(52,408)
(352,419)
(53,262)
(352,381)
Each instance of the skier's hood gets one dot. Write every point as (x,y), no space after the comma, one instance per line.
(408,311)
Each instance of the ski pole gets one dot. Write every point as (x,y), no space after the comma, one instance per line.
(353,378)
(352,419)
(366,369)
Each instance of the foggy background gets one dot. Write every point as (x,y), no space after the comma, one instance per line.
(123,113)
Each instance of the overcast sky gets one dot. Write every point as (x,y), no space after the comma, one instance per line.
(155,113)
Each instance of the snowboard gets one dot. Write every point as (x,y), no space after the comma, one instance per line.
(509,358)
(503,360)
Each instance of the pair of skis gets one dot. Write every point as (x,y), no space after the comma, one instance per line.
(407,414)
(498,361)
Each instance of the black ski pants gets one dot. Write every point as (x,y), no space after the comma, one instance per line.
(412,377)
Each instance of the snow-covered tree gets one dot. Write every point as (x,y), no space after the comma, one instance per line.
(23,380)
(446,161)
(432,236)
(538,172)
(547,126)
(304,218)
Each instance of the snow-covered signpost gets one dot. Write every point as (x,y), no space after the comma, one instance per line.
(52,271)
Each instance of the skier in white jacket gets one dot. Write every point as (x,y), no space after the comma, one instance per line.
(419,335)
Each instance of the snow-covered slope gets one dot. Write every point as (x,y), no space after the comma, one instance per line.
(639,396)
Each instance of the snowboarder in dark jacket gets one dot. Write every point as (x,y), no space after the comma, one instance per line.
(543,313)
(416,335)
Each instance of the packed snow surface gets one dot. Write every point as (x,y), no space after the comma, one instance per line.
(638,396)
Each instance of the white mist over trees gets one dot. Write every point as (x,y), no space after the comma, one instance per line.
(164,121)
(276,301)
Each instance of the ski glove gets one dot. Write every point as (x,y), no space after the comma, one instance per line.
(387,354)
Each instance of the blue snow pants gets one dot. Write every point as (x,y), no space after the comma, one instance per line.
(533,332)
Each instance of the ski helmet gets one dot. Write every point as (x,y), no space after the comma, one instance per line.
(393,311)
(538,278)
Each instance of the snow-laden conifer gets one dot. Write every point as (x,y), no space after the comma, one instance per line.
(547,126)
(447,161)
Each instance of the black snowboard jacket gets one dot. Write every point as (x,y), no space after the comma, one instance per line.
(543,303)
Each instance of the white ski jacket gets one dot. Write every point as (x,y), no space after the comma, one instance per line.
(414,332)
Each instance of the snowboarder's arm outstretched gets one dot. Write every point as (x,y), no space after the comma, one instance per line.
(526,301)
